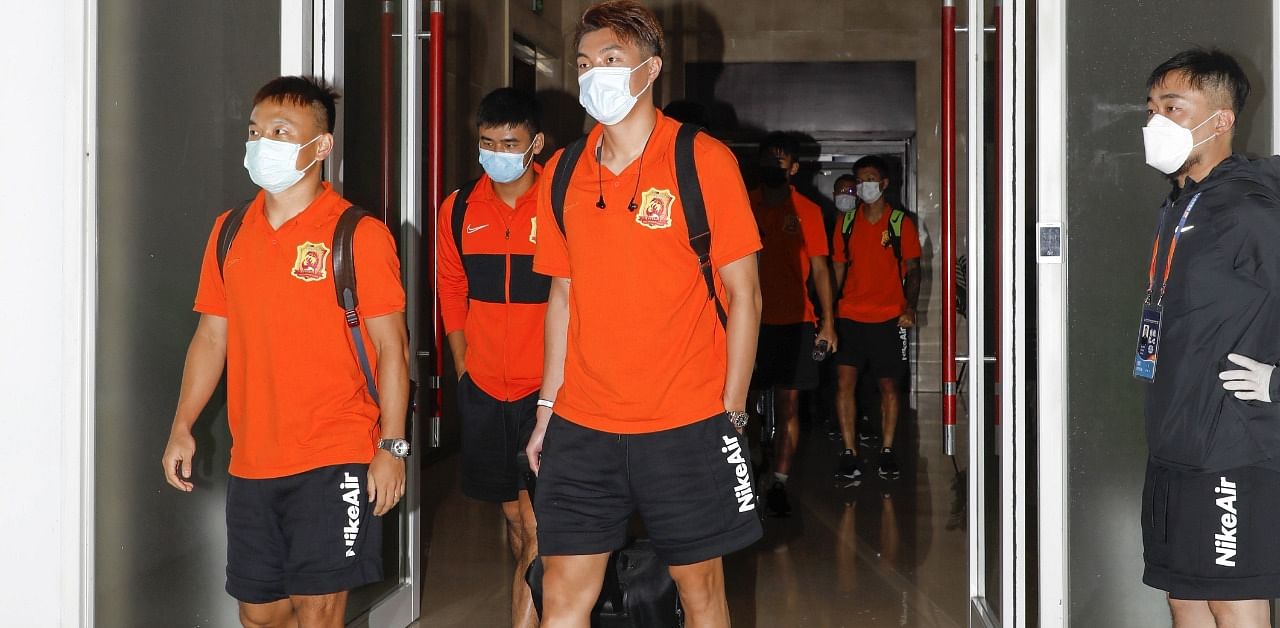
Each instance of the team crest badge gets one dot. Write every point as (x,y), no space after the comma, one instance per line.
(791,224)
(655,208)
(310,265)
(533,230)
(884,238)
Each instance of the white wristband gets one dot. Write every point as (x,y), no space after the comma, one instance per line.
(546,403)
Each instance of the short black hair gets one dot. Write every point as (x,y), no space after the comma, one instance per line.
(781,142)
(851,178)
(872,161)
(305,91)
(508,106)
(1208,70)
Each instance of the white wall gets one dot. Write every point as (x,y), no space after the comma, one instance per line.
(46,308)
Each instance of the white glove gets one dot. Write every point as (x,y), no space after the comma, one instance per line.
(1251,384)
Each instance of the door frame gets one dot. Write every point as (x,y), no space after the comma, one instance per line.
(1015,471)
(1010,439)
(1051,320)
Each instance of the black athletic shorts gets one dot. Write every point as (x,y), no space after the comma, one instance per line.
(1212,536)
(312,533)
(877,349)
(493,432)
(784,357)
(691,486)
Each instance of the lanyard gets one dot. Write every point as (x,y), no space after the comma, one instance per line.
(1173,246)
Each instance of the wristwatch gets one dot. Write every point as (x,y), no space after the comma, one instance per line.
(737,417)
(397,447)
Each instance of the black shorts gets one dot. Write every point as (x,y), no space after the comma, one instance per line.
(1212,536)
(493,432)
(312,533)
(876,349)
(784,357)
(691,486)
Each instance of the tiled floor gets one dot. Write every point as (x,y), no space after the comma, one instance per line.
(879,554)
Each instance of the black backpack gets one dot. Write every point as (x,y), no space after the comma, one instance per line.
(344,274)
(637,590)
(695,209)
(459,217)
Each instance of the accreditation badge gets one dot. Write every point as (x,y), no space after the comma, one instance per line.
(1144,363)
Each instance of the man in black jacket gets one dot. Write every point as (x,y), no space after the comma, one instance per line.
(1211,502)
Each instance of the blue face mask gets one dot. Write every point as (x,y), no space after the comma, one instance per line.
(504,167)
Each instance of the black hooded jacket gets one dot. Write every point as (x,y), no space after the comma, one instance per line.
(1223,297)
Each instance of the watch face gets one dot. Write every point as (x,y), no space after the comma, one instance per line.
(400,448)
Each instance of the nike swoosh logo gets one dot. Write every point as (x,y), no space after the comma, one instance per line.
(1187,228)
(471,229)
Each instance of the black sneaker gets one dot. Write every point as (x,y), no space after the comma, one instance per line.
(848,468)
(776,500)
(888,465)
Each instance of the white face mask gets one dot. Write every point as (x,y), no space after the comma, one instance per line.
(272,164)
(606,93)
(504,167)
(846,202)
(1168,144)
(869,191)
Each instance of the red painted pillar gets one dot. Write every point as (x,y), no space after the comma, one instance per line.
(949,226)
(435,182)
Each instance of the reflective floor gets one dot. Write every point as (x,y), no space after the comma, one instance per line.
(878,554)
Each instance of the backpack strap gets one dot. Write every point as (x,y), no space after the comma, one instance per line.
(230,227)
(846,229)
(560,179)
(460,212)
(344,284)
(895,234)
(695,211)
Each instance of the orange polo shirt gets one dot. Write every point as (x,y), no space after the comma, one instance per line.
(873,285)
(490,291)
(792,232)
(296,397)
(645,351)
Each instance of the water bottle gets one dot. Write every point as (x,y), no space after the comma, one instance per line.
(820,351)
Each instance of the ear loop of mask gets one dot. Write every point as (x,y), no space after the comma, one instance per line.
(1206,121)
(315,159)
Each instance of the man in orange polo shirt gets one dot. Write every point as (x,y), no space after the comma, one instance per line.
(493,306)
(315,462)
(646,382)
(795,246)
(877,264)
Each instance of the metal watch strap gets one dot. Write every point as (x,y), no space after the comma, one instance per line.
(738,418)
(389,445)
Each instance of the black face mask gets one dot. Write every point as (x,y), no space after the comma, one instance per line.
(773,176)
